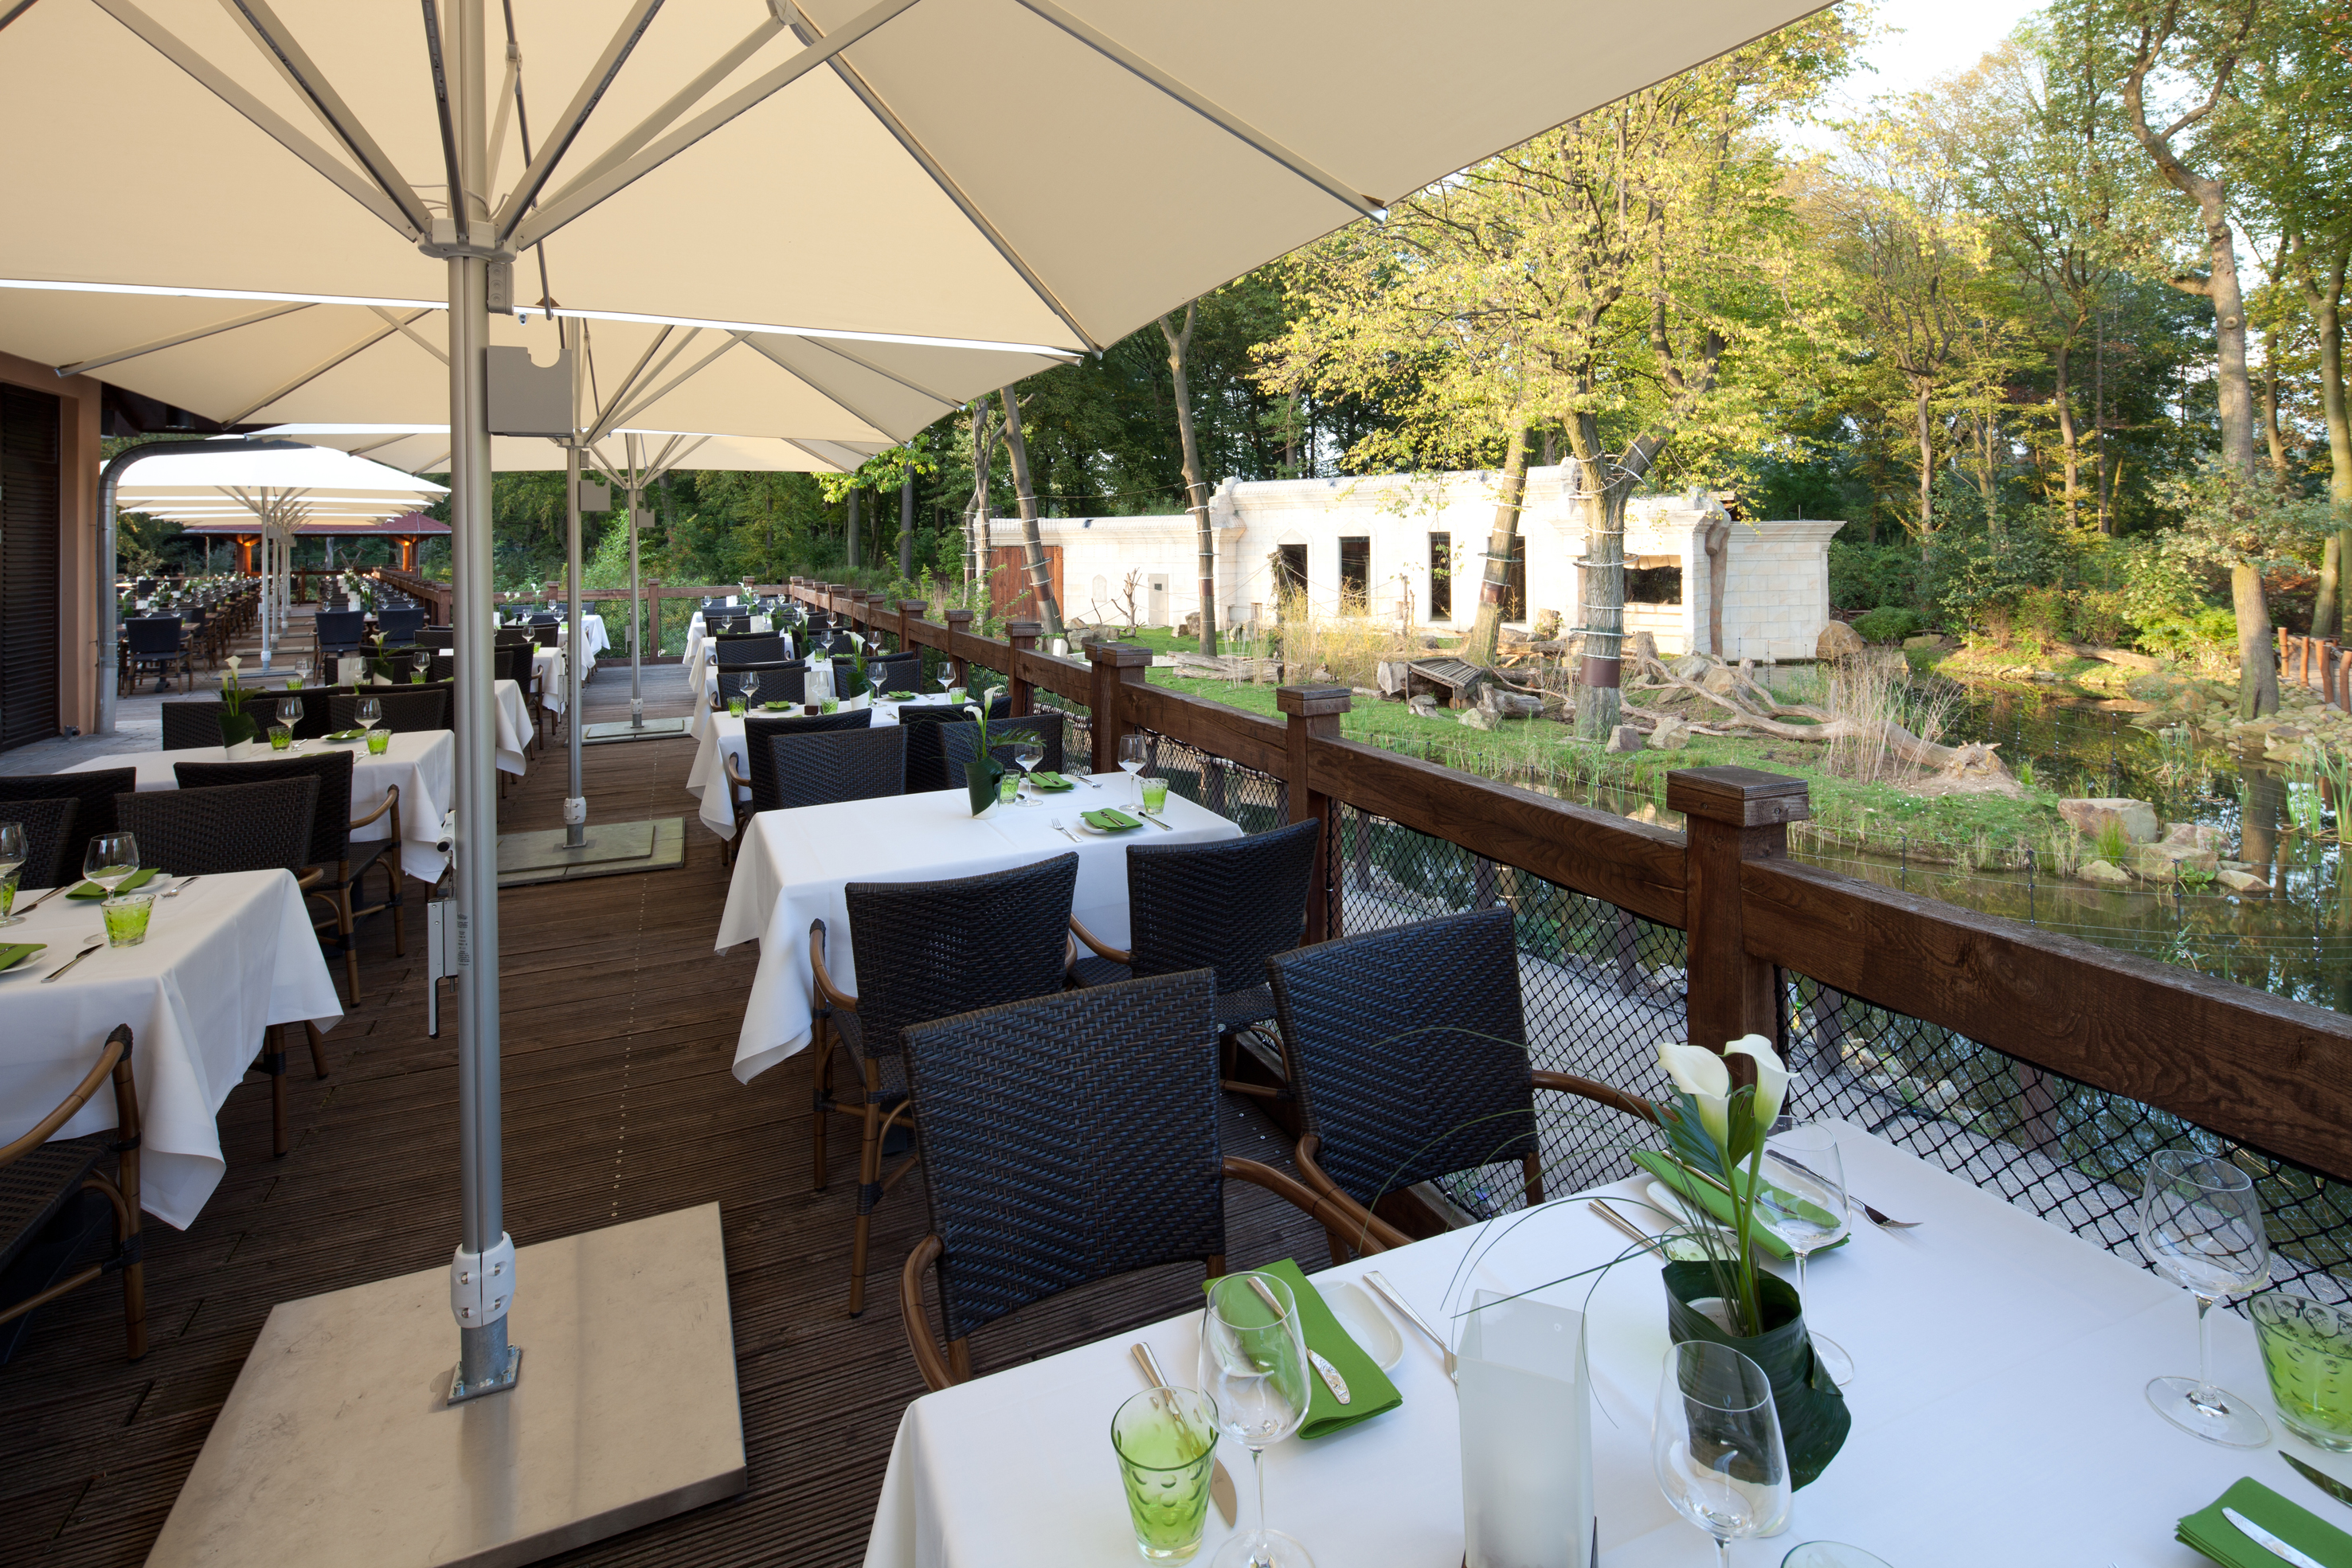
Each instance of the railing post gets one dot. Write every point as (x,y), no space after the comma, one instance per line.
(1114,664)
(1731,814)
(1314,713)
(1022,635)
(959,627)
(909,612)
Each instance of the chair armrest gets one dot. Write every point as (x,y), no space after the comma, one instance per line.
(117,1047)
(1344,1221)
(391,803)
(727,762)
(1585,1088)
(831,994)
(310,878)
(1102,949)
(1321,1182)
(929,1359)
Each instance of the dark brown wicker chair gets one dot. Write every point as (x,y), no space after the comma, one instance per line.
(1070,1139)
(407,709)
(96,789)
(899,673)
(742,790)
(784,680)
(340,860)
(734,653)
(959,743)
(1406,1050)
(190,725)
(832,765)
(318,710)
(55,1201)
(50,841)
(925,950)
(156,643)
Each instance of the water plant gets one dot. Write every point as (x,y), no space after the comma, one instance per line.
(2113,844)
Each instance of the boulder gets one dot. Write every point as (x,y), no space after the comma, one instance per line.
(2193,699)
(1838,640)
(2194,835)
(1624,738)
(1479,719)
(2166,863)
(2100,873)
(1671,735)
(2241,882)
(1390,674)
(1721,679)
(1546,625)
(2090,817)
(1692,666)
(1424,707)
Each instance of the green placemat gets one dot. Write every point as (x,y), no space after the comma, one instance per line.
(141,878)
(15,953)
(2208,1532)
(1109,819)
(1051,782)
(1370,1392)
(900,697)
(344,736)
(1712,1198)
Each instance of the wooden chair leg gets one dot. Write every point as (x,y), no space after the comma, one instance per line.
(346,928)
(821,1093)
(318,1048)
(869,1191)
(273,1062)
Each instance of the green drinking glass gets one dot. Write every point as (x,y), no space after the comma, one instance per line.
(379,741)
(126,916)
(2308,1350)
(735,706)
(1155,794)
(280,738)
(1166,1439)
(1008,788)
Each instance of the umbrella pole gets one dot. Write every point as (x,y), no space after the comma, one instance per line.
(575,799)
(637,607)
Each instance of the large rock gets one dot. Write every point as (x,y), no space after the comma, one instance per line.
(1721,679)
(1838,640)
(2166,863)
(2090,818)
(1624,738)
(2100,873)
(2244,882)
(1671,735)
(1479,719)
(1692,666)
(2194,835)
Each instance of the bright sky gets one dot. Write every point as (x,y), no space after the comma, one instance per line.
(1923,39)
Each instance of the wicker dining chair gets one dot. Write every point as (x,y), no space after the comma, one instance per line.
(96,789)
(734,653)
(1068,1139)
(55,1201)
(399,627)
(407,710)
(927,761)
(782,681)
(924,950)
(831,765)
(318,710)
(436,636)
(235,827)
(959,744)
(156,643)
(1406,1050)
(340,860)
(757,728)
(49,838)
(339,631)
(1225,906)
(515,664)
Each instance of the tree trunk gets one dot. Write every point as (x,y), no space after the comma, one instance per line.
(1495,583)
(2069,445)
(1196,490)
(849,532)
(1032,543)
(906,524)
(975,528)
(2324,294)
(1718,557)
(1597,699)
(1920,391)
(2258,691)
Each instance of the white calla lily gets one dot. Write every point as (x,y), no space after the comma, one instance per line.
(1771,1077)
(1701,1073)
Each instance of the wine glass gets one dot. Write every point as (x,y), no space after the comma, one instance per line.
(1133,753)
(1715,1444)
(2201,1224)
(12,861)
(1026,754)
(112,860)
(946,677)
(290,714)
(1254,1364)
(875,673)
(1803,1199)
(750,689)
(369,712)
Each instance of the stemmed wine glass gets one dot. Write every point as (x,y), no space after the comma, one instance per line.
(946,677)
(1254,1364)
(750,689)
(1133,754)
(369,713)
(1715,1444)
(112,860)
(12,861)
(2201,1224)
(290,714)
(1027,753)
(1803,1199)
(876,672)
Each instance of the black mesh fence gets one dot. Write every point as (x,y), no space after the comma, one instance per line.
(2068,1152)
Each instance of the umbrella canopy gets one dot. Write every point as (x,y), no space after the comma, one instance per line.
(425,449)
(407,526)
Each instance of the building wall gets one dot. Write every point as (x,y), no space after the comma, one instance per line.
(78,458)
(1776,600)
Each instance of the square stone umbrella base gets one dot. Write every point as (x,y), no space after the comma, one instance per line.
(612,849)
(337,1447)
(622,730)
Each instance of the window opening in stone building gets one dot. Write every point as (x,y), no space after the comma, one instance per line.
(1441,576)
(1355,571)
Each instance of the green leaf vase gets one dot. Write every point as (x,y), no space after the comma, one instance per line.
(979,777)
(1813,1416)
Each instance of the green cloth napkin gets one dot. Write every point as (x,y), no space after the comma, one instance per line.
(2208,1532)
(345,736)
(14,953)
(1051,782)
(1709,1196)
(1110,820)
(141,878)
(1370,1392)
(899,696)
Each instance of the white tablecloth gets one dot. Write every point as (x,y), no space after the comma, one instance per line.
(1998,1413)
(718,735)
(422,763)
(547,669)
(233,953)
(591,631)
(515,728)
(795,863)
(698,637)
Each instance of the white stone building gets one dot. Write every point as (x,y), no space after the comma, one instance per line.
(1413,548)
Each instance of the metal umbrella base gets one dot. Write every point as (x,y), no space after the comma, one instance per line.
(622,730)
(338,1447)
(612,849)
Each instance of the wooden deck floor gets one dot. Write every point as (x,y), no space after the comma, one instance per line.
(619,1026)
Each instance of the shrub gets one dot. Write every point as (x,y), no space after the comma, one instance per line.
(1866,576)
(2207,639)
(2046,613)
(1889,623)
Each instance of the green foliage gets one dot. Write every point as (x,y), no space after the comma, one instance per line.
(1865,576)
(1975,570)
(2112,843)
(2209,634)
(1889,623)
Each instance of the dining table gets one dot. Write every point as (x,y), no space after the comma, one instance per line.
(1997,1404)
(793,865)
(698,644)
(224,956)
(719,735)
(591,632)
(421,762)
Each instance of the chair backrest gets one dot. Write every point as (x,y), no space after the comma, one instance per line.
(49,838)
(1125,1171)
(757,728)
(834,765)
(926,949)
(900,672)
(96,789)
(239,827)
(399,626)
(734,653)
(153,633)
(196,722)
(407,709)
(545,633)
(784,680)
(514,663)
(959,743)
(318,716)
(927,761)
(1227,906)
(1407,1049)
(738,622)
(436,636)
(328,834)
(340,628)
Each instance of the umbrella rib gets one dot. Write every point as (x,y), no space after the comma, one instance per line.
(411,334)
(454,190)
(601,424)
(832,466)
(584,103)
(276,41)
(588,191)
(839,400)
(176,338)
(265,120)
(1207,109)
(675,382)
(823,345)
(306,377)
(686,97)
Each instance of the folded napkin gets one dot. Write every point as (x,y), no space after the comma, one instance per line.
(2208,1532)
(14,953)
(137,879)
(1712,1198)
(1370,1392)
(1051,782)
(1109,819)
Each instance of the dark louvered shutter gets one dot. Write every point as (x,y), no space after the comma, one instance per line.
(29,525)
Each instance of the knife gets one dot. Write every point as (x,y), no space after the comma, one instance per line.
(1331,1378)
(1389,1293)
(2320,1480)
(2272,1544)
(1221,1481)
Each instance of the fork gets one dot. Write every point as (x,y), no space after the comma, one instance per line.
(1881,1220)
(1057,825)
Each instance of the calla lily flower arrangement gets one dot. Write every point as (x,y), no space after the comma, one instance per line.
(1717,1132)
(236,725)
(982,773)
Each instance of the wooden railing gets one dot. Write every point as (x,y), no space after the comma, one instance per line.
(2271,1072)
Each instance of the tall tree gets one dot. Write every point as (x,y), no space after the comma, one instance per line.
(1033,544)
(1196,489)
